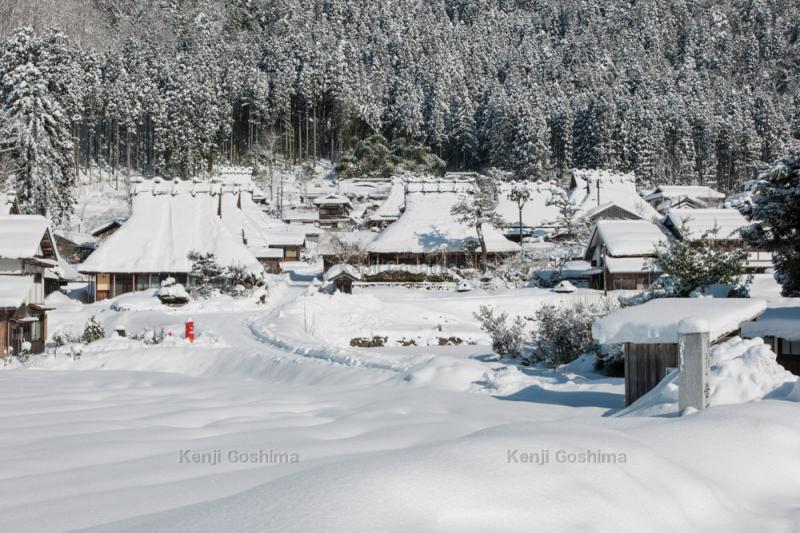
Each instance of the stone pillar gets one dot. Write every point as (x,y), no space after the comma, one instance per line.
(693,347)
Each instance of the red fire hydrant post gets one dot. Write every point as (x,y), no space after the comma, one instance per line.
(190,330)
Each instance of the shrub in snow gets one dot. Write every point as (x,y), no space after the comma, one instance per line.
(368,342)
(508,336)
(65,336)
(690,266)
(93,331)
(151,337)
(239,275)
(206,274)
(777,220)
(564,331)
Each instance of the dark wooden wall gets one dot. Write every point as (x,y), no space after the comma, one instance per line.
(645,366)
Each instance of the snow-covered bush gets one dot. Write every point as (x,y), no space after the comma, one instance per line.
(150,337)
(206,274)
(93,331)
(65,336)
(235,275)
(508,336)
(564,331)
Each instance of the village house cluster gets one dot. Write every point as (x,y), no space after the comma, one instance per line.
(395,230)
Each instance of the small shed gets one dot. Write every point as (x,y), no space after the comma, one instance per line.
(649,334)
(780,329)
(342,276)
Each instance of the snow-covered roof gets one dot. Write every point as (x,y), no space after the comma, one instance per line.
(256,229)
(360,240)
(656,321)
(168,221)
(536,213)
(680,191)
(595,211)
(426,226)
(701,221)
(332,199)
(341,270)
(21,236)
(78,238)
(626,238)
(300,214)
(592,188)
(782,322)
(14,290)
(391,208)
(96,232)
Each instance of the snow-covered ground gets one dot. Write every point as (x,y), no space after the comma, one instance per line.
(271,421)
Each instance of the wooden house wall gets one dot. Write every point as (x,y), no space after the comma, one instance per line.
(645,366)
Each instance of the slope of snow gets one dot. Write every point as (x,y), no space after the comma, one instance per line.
(21,235)
(630,237)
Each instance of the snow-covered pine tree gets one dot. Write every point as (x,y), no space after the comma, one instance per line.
(776,219)
(35,132)
(93,331)
(696,265)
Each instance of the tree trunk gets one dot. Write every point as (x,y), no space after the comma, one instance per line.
(484,252)
(520,225)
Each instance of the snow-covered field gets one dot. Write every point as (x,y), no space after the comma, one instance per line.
(271,421)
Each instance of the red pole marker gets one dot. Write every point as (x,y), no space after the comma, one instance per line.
(190,330)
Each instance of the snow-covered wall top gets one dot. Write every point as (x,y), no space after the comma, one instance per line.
(657,321)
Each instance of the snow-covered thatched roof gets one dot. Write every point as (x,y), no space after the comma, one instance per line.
(536,213)
(332,199)
(426,225)
(626,238)
(656,321)
(21,237)
(169,220)
(358,240)
(592,188)
(14,290)
(394,204)
(728,222)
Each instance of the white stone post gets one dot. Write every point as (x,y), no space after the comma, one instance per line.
(693,347)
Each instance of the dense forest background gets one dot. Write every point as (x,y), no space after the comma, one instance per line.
(686,91)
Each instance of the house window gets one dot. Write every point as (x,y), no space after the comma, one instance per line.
(790,347)
(147,281)
(36,331)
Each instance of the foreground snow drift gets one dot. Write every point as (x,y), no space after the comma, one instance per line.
(665,476)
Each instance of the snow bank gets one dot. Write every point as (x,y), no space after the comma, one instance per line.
(740,370)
